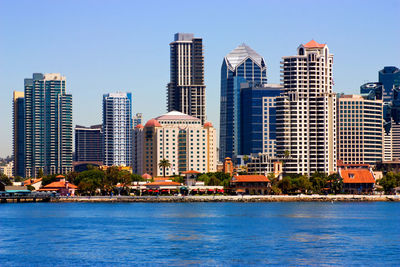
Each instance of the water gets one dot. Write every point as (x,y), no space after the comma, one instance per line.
(88,234)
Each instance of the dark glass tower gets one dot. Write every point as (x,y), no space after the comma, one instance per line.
(186,90)
(88,143)
(241,65)
(19,133)
(48,125)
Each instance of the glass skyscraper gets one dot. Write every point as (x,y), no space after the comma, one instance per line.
(89,143)
(117,129)
(48,125)
(19,133)
(258,118)
(241,65)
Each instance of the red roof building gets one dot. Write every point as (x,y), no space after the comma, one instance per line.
(251,184)
(62,187)
(357,181)
(314,44)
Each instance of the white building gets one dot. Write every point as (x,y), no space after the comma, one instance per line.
(179,138)
(306,113)
(8,169)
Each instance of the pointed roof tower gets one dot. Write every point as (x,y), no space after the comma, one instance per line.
(240,54)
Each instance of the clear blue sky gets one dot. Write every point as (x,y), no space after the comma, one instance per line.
(108,46)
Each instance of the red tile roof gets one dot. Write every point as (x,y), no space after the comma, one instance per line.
(313,44)
(146,176)
(139,126)
(32,181)
(153,123)
(191,172)
(357,176)
(60,176)
(208,124)
(58,185)
(250,178)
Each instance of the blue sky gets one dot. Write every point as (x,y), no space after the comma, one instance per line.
(108,46)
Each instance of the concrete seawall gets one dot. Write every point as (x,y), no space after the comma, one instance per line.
(299,198)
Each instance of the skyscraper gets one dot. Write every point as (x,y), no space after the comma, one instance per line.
(48,125)
(186,90)
(19,133)
(306,113)
(117,129)
(241,65)
(389,77)
(360,130)
(137,119)
(89,143)
(258,118)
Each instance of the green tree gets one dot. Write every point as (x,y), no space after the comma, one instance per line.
(164,163)
(285,185)
(336,183)
(389,182)
(4,178)
(178,179)
(40,173)
(137,178)
(318,180)
(30,187)
(302,184)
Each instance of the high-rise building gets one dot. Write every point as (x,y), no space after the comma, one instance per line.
(241,65)
(258,118)
(179,138)
(137,149)
(117,129)
(48,125)
(389,77)
(359,130)
(19,133)
(186,90)
(137,119)
(89,143)
(306,113)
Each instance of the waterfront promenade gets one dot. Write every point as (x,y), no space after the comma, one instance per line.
(219,198)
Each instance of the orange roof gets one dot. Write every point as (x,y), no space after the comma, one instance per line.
(60,176)
(208,124)
(32,181)
(191,172)
(163,183)
(250,178)
(146,176)
(357,176)
(153,123)
(139,126)
(59,184)
(313,44)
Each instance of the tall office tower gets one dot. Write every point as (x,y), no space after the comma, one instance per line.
(360,130)
(117,129)
(306,113)
(19,133)
(137,149)
(241,65)
(389,77)
(137,119)
(48,125)
(89,143)
(181,139)
(186,90)
(258,118)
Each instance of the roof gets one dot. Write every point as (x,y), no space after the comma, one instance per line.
(163,184)
(208,124)
(314,44)
(241,53)
(60,176)
(191,172)
(59,184)
(139,126)
(250,178)
(153,123)
(146,176)
(176,115)
(357,176)
(32,181)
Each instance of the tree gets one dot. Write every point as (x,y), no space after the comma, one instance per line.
(285,184)
(4,178)
(336,183)
(318,180)
(136,178)
(30,187)
(40,173)
(302,184)
(389,182)
(286,153)
(92,178)
(164,163)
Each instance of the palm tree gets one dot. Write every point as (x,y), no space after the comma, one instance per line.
(164,163)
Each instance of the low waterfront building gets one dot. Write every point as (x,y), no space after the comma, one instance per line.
(250,184)
(357,181)
(62,187)
(179,138)
(191,177)
(35,183)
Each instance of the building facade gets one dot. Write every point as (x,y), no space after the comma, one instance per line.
(258,118)
(117,129)
(360,130)
(241,65)
(19,133)
(179,138)
(89,143)
(137,149)
(186,89)
(48,125)
(137,119)
(306,113)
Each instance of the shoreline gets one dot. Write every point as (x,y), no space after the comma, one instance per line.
(266,198)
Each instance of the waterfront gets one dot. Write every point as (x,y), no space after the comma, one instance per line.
(60,234)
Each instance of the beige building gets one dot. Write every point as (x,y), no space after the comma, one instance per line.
(179,138)
(8,169)
(306,113)
(360,130)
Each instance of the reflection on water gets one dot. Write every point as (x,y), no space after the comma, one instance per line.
(179,234)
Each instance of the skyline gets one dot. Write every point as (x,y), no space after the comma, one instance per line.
(94,65)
